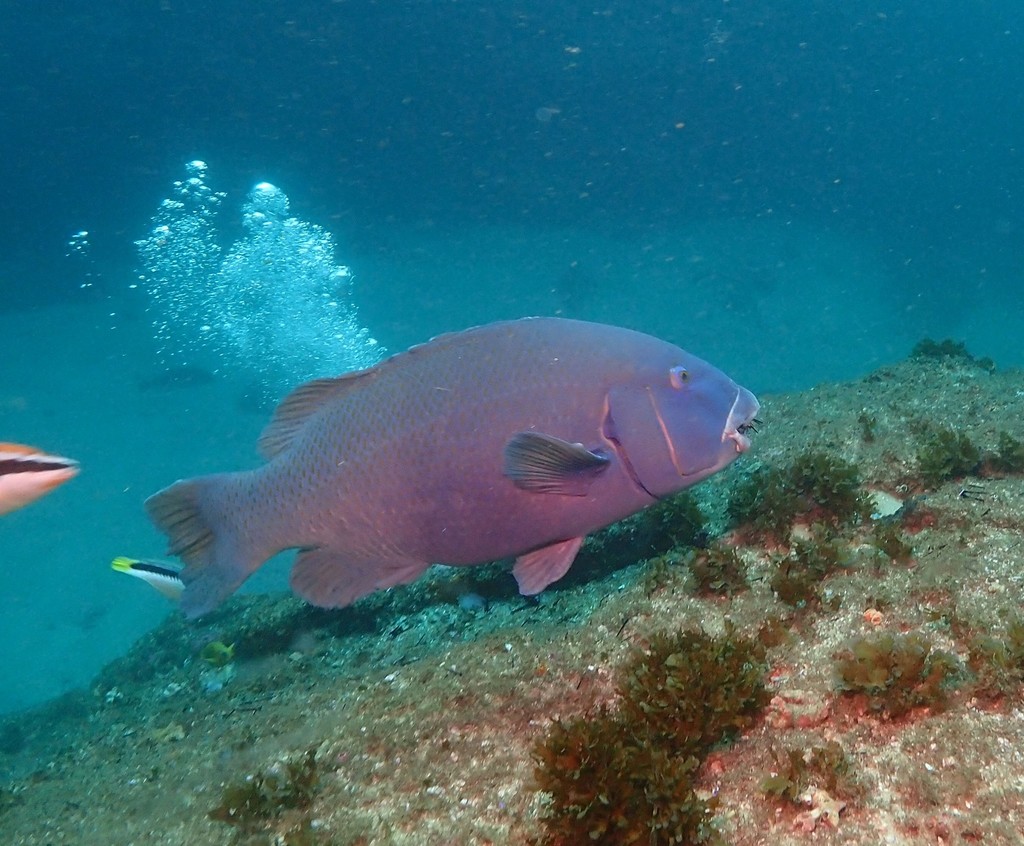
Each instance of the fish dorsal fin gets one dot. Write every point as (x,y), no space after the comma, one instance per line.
(6,446)
(301,404)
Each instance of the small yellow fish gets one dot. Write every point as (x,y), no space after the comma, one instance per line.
(157,575)
(217,653)
(27,474)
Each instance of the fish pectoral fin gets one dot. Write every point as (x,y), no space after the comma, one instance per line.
(535,570)
(332,579)
(545,464)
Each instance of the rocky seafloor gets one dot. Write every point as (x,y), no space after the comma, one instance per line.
(888,643)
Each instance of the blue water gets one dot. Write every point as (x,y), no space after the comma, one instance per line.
(797,191)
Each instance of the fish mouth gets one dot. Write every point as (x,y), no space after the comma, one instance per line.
(741,415)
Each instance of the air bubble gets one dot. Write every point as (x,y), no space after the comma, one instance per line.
(275,303)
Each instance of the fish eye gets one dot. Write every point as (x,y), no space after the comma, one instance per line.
(678,376)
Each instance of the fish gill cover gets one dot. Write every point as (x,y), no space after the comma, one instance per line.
(275,303)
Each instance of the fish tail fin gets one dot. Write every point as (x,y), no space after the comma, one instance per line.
(196,516)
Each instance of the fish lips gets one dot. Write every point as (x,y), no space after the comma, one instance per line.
(741,420)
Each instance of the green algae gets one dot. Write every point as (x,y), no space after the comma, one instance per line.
(610,785)
(252,802)
(826,486)
(766,502)
(832,485)
(798,768)
(946,348)
(719,571)
(898,672)
(676,521)
(694,690)
(1009,455)
(945,454)
(927,348)
(868,427)
(889,539)
(996,657)
(798,577)
(626,776)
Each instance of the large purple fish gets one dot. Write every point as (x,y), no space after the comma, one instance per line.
(512,439)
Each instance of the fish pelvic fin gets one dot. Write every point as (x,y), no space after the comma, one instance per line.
(218,555)
(535,570)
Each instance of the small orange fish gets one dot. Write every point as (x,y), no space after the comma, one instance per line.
(26,474)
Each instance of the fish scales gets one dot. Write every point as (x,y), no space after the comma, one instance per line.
(512,439)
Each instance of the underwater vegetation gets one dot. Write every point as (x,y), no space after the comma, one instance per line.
(898,672)
(719,569)
(658,533)
(825,486)
(948,348)
(694,690)
(946,454)
(832,486)
(258,799)
(997,659)
(1009,455)
(868,427)
(626,776)
(675,521)
(890,540)
(799,575)
(799,768)
(766,502)
(609,786)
